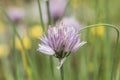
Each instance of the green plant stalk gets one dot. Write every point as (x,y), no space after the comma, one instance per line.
(62,73)
(17,72)
(83,71)
(36,77)
(96,59)
(33,57)
(114,60)
(17,75)
(107,10)
(107,62)
(83,67)
(86,56)
(103,13)
(107,49)
(51,67)
(48,13)
(40,12)
(99,17)
(16,33)
(15,59)
(74,67)
(20,42)
(49,23)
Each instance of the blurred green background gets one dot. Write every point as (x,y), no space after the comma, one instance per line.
(99,59)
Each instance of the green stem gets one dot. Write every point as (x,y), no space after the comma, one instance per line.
(40,12)
(49,23)
(15,59)
(17,34)
(116,45)
(17,76)
(51,67)
(14,29)
(48,12)
(62,73)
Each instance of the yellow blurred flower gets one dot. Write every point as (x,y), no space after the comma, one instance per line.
(26,42)
(98,31)
(4,50)
(75,3)
(2,28)
(36,31)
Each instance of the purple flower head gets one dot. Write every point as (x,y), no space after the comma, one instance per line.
(57,8)
(71,21)
(60,41)
(16,14)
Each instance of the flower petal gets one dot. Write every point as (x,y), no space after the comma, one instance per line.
(78,45)
(46,49)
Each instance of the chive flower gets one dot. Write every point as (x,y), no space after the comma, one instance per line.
(16,14)
(60,41)
(57,8)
